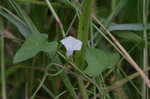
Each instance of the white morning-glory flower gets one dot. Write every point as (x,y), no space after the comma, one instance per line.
(71,44)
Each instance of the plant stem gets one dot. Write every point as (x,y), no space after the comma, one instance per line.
(3,69)
(56,17)
(69,85)
(145,50)
(83,29)
(41,84)
(82,88)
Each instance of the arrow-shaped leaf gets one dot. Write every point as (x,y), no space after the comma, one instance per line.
(98,61)
(33,45)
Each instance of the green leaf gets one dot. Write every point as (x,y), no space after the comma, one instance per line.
(1,27)
(133,27)
(129,37)
(21,13)
(50,48)
(33,45)
(98,61)
(24,30)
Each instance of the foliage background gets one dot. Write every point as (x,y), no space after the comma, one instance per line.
(34,64)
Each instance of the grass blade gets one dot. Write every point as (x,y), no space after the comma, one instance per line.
(133,27)
(116,11)
(24,30)
(3,79)
(83,29)
(145,50)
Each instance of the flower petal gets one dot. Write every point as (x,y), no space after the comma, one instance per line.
(69,52)
(71,44)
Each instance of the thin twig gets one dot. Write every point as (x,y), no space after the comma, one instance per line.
(124,81)
(56,17)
